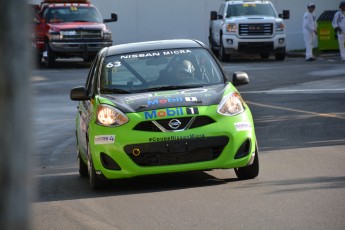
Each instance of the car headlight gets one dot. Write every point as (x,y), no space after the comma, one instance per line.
(280,26)
(231,105)
(231,27)
(107,35)
(110,116)
(55,36)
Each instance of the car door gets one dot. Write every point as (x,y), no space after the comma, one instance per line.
(86,108)
(217,24)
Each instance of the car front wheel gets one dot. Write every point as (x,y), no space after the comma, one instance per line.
(249,171)
(83,170)
(50,57)
(280,56)
(95,182)
(222,55)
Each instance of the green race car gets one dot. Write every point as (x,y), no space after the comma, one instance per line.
(162,107)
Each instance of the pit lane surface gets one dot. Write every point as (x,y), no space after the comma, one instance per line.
(299,115)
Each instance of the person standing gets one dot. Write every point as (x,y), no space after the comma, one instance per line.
(309,31)
(338,24)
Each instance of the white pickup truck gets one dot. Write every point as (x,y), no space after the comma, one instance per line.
(248,26)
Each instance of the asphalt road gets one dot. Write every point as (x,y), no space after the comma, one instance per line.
(299,115)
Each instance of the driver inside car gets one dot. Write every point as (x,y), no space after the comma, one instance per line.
(184,70)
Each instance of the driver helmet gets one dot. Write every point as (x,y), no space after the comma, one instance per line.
(186,67)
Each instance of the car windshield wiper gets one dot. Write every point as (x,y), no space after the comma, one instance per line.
(119,91)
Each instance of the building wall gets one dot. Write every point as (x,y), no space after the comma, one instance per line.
(141,20)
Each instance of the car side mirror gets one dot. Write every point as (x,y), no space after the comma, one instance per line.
(214,15)
(285,14)
(240,78)
(79,94)
(112,19)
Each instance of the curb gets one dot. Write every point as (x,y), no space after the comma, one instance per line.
(301,54)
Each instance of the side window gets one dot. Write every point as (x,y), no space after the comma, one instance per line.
(91,78)
(221,9)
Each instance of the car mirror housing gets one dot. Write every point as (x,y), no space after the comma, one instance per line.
(240,78)
(79,94)
(112,19)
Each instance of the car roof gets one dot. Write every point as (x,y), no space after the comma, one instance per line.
(230,2)
(153,45)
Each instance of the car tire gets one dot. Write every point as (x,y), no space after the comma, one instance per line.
(211,44)
(280,56)
(83,170)
(249,171)
(94,181)
(222,55)
(50,58)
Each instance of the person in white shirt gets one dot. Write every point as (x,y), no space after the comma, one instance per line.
(338,24)
(309,31)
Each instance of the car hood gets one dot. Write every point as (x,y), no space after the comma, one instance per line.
(140,102)
(76,26)
(253,19)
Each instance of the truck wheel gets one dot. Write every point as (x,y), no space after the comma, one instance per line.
(280,56)
(211,44)
(222,55)
(50,58)
(249,171)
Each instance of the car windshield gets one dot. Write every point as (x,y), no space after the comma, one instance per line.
(73,14)
(159,70)
(250,9)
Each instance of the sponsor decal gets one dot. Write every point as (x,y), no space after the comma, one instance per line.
(170,112)
(191,99)
(192,110)
(243,126)
(141,55)
(171,100)
(176,138)
(164,101)
(104,139)
(168,93)
(155,54)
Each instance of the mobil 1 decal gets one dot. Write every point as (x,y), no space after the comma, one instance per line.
(170,112)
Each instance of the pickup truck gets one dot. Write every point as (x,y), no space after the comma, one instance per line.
(65,29)
(249,27)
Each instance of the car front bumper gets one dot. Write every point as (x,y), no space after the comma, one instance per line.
(134,153)
(234,44)
(78,47)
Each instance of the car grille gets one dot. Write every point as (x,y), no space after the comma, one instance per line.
(177,151)
(163,125)
(82,34)
(261,29)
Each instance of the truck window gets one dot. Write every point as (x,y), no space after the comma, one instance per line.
(221,10)
(73,14)
(250,9)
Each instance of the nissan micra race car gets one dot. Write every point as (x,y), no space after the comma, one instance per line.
(162,107)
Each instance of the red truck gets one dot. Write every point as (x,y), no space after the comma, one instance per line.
(65,29)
